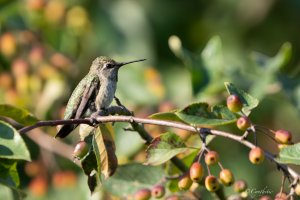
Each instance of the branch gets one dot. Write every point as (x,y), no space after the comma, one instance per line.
(135,122)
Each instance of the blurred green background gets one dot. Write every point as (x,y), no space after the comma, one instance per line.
(191,48)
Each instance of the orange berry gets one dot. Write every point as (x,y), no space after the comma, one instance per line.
(281,196)
(265,197)
(142,194)
(196,172)
(256,155)
(240,186)
(234,103)
(158,191)
(185,182)
(211,183)
(80,150)
(212,157)
(283,136)
(243,123)
(38,186)
(226,177)
(64,179)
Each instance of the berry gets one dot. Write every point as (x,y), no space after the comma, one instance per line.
(226,177)
(240,186)
(142,194)
(38,186)
(256,155)
(283,136)
(185,182)
(196,172)
(281,196)
(64,179)
(80,150)
(212,183)
(173,197)
(234,103)
(158,191)
(243,123)
(265,197)
(297,189)
(212,157)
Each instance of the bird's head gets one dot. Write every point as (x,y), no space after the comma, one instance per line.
(107,68)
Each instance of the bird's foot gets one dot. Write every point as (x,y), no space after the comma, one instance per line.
(122,106)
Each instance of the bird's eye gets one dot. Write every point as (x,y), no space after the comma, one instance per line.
(109,65)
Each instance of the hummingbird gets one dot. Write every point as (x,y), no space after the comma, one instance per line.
(94,92)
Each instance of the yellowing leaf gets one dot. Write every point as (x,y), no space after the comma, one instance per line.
(104,148)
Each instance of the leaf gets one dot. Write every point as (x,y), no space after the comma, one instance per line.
(89,166)
(130,178)
(104,148)
(198,73)
(290,154)
(164,147)
(268,68)
(201,114)
(212,56)
(248,101)
(166,116)
(8,173)
(20,115)
(12,145)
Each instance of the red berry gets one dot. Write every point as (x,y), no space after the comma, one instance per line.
(80,150)
(158,191)
(212,157)
(212,183)
(256,155)
(281,196)
(173,197)
(234,103)
(185,182)
(243,123)
(142,194)
(283,136)
(226,177)
(196,172)
(240,186)
(265,197)
(38,186)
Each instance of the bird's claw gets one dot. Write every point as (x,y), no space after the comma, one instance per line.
(93,120)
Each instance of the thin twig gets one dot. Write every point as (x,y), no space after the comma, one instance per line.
(135,122)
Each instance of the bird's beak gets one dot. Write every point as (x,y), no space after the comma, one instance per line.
(125,63)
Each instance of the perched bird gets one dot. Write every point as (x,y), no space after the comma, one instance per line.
(94,92)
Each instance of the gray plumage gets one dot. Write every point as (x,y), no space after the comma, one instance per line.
(94,92)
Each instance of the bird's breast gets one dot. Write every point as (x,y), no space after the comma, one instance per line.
(106,94)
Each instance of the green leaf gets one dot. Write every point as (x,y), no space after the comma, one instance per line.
(12,145)
(164,147)
(201,114)
(89,166)
(20,115)
(212,56)
(131,177)
(290,154)
(268,68)
(248,101)
(166,116)
(198,73)
(8,173)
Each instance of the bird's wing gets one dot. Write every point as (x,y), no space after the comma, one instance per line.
(89,96)
(83,95)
